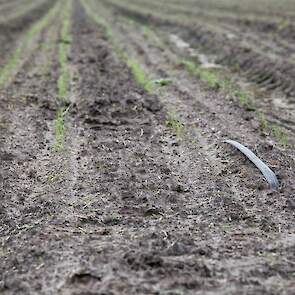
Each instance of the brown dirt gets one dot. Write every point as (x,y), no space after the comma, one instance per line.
(128,206)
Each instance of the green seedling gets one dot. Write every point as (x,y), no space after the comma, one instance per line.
(53,177)
(205,75)
(146,30)
(174,123)
(190,66)
(139,75)
(162,82)
(64,77)
(60,128)
(244,99)
(215,81)
(274,129)
(210,78)
(279,134)
(263,123)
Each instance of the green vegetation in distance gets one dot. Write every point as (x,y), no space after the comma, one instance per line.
(136,69)
(205,75)
(225,85)
(275,130)
(15,59)
(65,40)
(216,82)
(97,19)
(21,10)
(64,77)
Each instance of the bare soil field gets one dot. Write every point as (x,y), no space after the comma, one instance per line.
(115,177)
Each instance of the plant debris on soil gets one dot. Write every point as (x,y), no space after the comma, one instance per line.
(115,177)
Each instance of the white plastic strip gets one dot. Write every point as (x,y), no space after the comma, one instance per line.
(265,170)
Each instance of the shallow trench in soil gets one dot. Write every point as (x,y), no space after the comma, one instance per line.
(129,205)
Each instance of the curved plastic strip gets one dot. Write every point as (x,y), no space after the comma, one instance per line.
(265,170)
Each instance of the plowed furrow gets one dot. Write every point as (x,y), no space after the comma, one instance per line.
(217,117)
(114,175)
(227,50)
(14,31)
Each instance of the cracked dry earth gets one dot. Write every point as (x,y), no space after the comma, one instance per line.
(129,205)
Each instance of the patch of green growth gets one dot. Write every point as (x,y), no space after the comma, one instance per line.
(244,99)
(15,59)
(190,66)
(204,75)
(64,76)
(139,75)
(162,82)
(59,126)
(146,30)
(210,78)
(214,80)
(275,130)
(53,177)
(65,40)
(263,123)
(136,69)
(279,134)
(175,124)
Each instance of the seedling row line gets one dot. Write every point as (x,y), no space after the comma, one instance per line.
(14,62)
